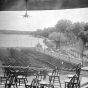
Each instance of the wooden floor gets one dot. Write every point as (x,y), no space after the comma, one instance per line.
(63,77)
(84,81)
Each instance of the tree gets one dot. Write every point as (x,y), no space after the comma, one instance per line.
(71,37)
(47,31)
(84,37)
(63,25)
(77,28)
(39,45)
(58,38)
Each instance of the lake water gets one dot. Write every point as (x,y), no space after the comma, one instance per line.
(13,40)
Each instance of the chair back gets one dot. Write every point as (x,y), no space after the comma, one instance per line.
(57,70)
(73,82)
(37,74)
(43,74)
(78,70)
(7,71)
(35,83)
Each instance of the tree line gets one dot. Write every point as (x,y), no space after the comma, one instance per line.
(14,32)
(65,31)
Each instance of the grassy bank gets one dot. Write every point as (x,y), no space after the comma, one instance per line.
(29,57)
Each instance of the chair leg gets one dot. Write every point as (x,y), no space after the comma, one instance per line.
(59,82)
(26,80)
(5,85)
(14,86)
(65,85)
(79,85)
(50,78)
(19,81)
(53,79)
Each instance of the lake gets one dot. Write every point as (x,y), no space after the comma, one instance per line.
(17,40)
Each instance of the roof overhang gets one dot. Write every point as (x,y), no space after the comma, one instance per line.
(19,5)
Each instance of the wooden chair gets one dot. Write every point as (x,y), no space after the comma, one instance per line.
(11,81)
(28,84)
(74,82)
(55,78)
(78,70)
(55,72)
(3,77)
(42,74)
(21,79)
(22,75)
(33,84)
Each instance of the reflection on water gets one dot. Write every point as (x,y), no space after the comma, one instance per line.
(10,40)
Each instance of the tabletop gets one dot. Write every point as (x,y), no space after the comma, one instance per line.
(43,82)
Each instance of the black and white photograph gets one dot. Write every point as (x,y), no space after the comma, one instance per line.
(43,43)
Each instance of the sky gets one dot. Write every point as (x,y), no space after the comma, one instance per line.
(14,20)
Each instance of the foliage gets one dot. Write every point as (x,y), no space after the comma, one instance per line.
(77,28)
(71,37)
(63,25)
(39,45)
(84,34)
(86,27)
(45,32)
(58,38)
(72,31)
(30,57)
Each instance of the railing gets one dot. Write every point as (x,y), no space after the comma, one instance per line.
(27,67)
(35,68)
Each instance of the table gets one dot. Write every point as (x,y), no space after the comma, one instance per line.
(44,84)
(13,78)
(21,79)
(70,75)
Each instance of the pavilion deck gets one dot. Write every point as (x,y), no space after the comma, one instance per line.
(63,77)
